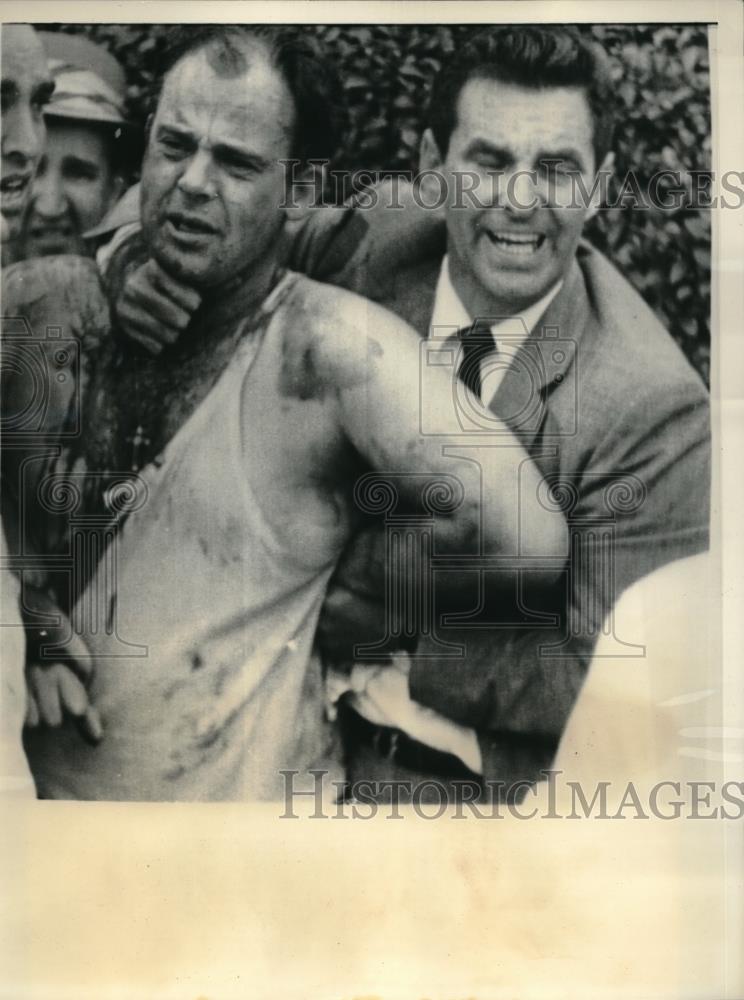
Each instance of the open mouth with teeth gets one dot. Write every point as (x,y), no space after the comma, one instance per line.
(518,244)
(13,190)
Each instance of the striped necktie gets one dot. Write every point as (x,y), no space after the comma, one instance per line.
(477,343)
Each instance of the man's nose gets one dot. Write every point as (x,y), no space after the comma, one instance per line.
(24,135)
(198,180)
(47,195)
(522,192)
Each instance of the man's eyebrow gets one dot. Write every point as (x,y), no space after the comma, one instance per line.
(220,148)
(480,145)
(176,130)
(477,146)
(241,154)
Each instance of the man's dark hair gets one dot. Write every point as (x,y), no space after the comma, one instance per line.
(534,56)
(296,54)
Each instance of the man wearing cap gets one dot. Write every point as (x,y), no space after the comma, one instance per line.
(90,148)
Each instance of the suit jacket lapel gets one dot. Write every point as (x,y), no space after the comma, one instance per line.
(543,361)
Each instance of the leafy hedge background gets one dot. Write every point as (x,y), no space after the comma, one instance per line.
(662,94)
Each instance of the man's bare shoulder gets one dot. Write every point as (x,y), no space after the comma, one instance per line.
(344,331)
(338,340)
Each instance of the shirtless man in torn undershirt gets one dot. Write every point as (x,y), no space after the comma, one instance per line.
(236,453)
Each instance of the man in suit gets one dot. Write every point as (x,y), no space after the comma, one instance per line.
(600,395)
(571,359)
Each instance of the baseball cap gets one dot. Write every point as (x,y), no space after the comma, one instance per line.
(90,84)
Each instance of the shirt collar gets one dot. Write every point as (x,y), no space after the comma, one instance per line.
(449,310)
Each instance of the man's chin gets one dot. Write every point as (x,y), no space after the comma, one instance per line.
(186,268)
(517,290)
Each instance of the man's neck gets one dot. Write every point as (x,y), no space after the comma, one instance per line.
(240,295)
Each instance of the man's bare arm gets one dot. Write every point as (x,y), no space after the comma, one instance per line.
(381,383)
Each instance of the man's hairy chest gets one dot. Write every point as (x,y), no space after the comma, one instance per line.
(135,403)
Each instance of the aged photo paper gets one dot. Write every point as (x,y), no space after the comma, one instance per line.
(223,781)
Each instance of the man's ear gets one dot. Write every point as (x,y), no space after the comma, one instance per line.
(431,164)
(604,173)
(430,157)
(305,191)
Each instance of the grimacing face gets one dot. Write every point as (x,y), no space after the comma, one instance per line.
(212,186)
(523,147)
(26,88)
(74,187)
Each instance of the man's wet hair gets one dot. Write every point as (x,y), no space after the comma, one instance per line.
(298,57)
(534,56)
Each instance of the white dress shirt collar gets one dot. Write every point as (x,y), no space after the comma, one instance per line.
(449,313)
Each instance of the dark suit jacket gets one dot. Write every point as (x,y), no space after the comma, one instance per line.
(618,423)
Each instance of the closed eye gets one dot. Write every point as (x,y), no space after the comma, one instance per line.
(173,145)
(560,165)
(488,156)
(489,162)
(236,163)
